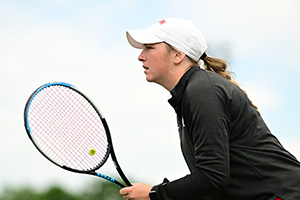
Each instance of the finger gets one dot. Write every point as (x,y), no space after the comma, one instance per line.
(123,191)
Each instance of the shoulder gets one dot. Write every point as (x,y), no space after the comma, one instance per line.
(207,81)
(207,88)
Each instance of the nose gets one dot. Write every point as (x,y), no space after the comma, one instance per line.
(142,56)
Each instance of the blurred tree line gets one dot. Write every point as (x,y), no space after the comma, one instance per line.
(99,190)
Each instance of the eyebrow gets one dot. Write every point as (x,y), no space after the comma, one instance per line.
(148,44)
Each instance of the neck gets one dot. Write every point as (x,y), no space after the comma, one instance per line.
(175,76)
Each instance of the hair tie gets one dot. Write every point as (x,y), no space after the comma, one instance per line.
(203,56)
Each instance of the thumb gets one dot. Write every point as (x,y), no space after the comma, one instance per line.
(124,190)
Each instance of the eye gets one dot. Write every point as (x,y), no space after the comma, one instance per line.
(148,46)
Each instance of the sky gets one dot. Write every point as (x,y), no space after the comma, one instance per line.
(84,43)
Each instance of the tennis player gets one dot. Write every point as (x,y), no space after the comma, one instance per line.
(230,152)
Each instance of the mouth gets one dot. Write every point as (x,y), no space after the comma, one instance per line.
(145,69)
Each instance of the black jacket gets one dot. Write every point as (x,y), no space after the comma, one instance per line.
(228,148)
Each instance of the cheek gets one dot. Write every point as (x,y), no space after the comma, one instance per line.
(161,66)
(159,61)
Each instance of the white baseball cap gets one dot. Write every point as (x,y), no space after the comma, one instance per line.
(179,33)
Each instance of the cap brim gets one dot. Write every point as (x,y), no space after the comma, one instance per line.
(137,38)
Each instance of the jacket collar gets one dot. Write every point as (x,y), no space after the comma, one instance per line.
(178,90)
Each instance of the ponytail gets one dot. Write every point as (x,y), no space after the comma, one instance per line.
(217,65)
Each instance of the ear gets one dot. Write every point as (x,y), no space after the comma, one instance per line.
(178,57)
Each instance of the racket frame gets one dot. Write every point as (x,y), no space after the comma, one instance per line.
(110,150)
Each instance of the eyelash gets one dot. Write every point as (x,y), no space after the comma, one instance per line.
(149,47)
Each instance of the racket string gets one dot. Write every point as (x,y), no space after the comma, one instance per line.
(66,127)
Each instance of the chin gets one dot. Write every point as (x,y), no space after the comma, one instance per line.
(149,79)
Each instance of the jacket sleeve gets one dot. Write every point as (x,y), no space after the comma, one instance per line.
(206,116)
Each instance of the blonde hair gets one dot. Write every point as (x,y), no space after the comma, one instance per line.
(218,66)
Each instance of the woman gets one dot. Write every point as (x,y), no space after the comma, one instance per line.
(230,152)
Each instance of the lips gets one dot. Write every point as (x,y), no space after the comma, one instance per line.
(146,69)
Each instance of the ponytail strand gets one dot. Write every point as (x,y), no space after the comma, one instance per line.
(217,65)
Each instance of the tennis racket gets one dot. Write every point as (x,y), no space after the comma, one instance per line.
(68,129)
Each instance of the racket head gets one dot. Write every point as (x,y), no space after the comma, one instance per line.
(67,128)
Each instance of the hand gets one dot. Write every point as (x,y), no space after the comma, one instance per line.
(138,191)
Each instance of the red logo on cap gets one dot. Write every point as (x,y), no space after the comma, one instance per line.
(162,22)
